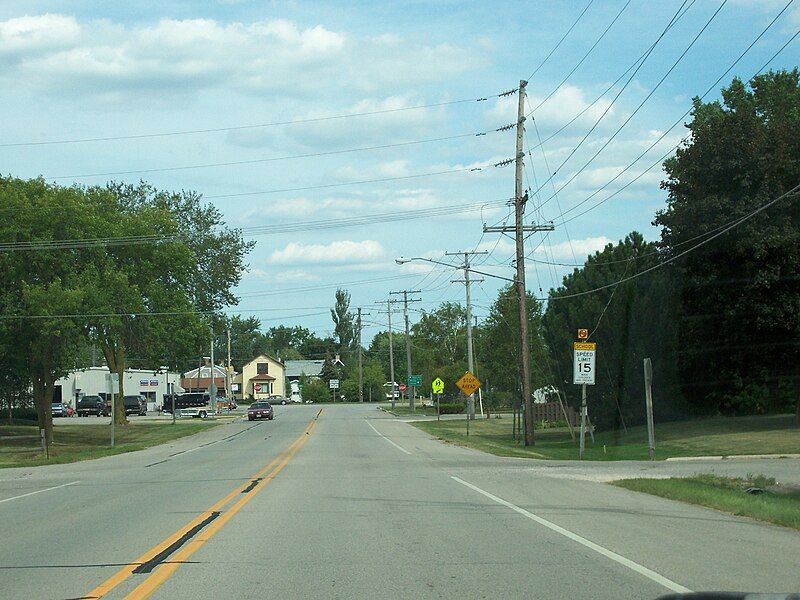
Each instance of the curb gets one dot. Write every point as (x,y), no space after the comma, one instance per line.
(732,456)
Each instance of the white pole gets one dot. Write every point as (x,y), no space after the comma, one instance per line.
(583,419)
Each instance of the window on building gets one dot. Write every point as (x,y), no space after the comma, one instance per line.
(262,368)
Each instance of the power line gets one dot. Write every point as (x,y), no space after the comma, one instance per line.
(630,116)
(678,121)
(561,41)
(276,158)
(346,183)
(581,61)
(763,207)
(243,127)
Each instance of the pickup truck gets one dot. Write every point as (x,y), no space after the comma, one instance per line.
(195,405)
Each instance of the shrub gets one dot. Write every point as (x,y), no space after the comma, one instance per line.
(316,391)
(451,409)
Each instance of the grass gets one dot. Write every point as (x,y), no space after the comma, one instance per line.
(726,494)
(725,436)
(19,445)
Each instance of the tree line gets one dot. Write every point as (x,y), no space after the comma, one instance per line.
(131,270)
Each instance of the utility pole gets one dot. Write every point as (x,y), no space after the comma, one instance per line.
(519,230)
(212,386)
(391,347)
(228,391)
(408,344)
(470,361)
(360,365)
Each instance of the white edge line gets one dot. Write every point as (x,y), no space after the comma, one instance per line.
(660,579)
(387,439)
(38,491)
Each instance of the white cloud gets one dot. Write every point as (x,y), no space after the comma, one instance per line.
(294,275)
(23,36)
(60,54)
(340,252)
(582,248)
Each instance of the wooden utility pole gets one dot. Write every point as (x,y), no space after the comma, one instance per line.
(409,389)
(519,230)
(648,392)
(360,363)
(467,282)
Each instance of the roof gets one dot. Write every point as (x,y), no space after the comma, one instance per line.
(205,371)
(262,377)
(296,368)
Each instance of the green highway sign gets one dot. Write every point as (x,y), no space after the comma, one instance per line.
(415,380)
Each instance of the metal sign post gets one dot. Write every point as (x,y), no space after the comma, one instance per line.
(468,384)
(583,369)
(334,385)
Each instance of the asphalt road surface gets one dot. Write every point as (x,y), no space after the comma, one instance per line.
(351,503)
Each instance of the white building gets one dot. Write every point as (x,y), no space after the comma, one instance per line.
(94,381)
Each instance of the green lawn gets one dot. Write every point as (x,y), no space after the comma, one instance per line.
(726,494)
(19,445)
(774,434)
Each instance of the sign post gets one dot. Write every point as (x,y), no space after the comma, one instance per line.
(468,384)
(583,373)
(334,385)
(437,386)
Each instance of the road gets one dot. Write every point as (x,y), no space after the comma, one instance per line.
(351,503)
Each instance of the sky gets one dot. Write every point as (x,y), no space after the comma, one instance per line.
(234,72)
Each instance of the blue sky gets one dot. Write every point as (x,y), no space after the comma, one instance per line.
(73,70)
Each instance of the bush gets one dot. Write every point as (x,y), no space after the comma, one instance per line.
(316,391)
(451,409)
(23,415)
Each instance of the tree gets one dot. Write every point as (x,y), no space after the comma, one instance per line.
(189,274)
(500,344)
(40,285)
(740,300)
(629,322)
(343,319)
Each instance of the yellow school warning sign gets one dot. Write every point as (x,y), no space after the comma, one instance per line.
(468,383)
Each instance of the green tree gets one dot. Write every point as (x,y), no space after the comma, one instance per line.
(500,345)
(629,322)
(42,284)
(343,319)
(740,300)
(191,272)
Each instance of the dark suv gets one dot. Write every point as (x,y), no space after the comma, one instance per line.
(91,405)
(135,405)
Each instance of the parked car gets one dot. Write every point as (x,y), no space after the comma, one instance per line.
(278,400)
(135,405)
(260,410)
(59,409)
(92,405)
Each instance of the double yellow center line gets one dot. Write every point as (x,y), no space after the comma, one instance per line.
(206,525)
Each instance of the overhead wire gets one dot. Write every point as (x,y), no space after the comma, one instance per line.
(244,127)
(561,41)
(679,120)
(275,158)
(627,120)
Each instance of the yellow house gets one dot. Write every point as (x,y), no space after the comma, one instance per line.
(261,378)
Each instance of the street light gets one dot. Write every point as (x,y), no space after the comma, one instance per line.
(402,261)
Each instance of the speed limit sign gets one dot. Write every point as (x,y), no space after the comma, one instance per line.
(583,362)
